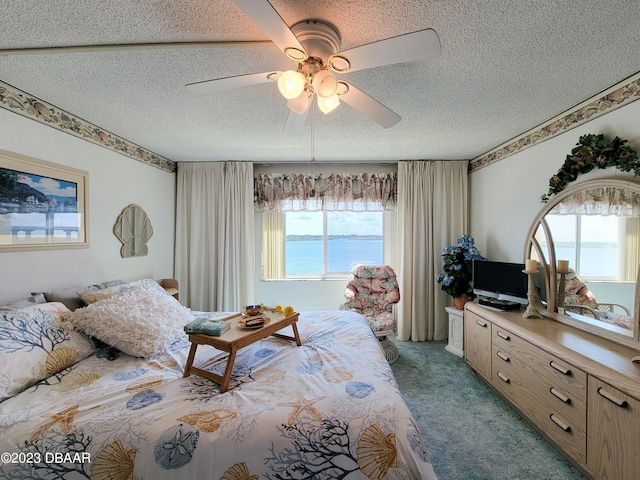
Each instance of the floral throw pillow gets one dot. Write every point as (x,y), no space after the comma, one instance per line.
(34,345)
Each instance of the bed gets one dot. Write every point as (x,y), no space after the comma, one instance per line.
(98,392)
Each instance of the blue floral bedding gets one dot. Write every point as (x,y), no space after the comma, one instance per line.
(329,409)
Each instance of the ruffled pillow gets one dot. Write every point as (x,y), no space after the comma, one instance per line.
(142,321)
(35,344)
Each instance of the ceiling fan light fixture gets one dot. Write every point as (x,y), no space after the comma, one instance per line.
(291,84)
(328,104)
(339,64)
(295,54)
(324,84)
(299,104)
(343,88)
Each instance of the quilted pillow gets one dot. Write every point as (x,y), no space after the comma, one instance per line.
(92,297)
(34,299)
(141,321)
(34,344)
(71,296)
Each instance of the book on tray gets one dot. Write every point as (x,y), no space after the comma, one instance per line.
(207,326)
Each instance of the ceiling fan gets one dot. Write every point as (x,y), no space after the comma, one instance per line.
(315,47)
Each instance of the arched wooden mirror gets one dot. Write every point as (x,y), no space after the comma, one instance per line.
(595,227)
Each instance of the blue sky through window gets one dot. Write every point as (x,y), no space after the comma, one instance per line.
(339,223)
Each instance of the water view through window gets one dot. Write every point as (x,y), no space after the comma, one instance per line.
(319,243)
(590,243)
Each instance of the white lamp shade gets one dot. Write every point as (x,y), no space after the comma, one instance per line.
(299,104)
(291,84)
(328,104)
(324,83)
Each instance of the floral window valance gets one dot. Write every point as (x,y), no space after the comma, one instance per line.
(289,192)
(600,201)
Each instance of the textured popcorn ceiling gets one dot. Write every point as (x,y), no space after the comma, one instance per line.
(506,67)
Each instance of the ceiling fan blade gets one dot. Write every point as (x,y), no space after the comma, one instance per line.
(410,47)
(295,123)
(218,84)
(270,22)
(370,107)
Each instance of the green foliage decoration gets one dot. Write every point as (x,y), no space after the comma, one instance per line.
(593,151)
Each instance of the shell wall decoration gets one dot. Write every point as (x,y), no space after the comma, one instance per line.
(133,228)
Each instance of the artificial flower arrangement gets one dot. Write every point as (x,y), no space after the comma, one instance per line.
(457,277)
(590,152)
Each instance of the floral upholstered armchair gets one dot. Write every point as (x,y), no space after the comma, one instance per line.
(373,291)
(577,297)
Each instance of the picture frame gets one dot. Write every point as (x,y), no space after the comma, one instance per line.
(43,205)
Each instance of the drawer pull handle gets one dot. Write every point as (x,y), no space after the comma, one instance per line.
(559,368)
(611,397)
(560,423)
(481,323)
(503,377)
(559,395)
(503,356)
(503,335)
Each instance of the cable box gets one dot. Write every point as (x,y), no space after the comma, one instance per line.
(499,304)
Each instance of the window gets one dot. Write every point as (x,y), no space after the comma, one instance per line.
(326,243)
(593,244)
(319,226)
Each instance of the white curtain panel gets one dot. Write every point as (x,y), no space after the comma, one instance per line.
(215,244)
(432,213)
(631,249)
(273,245)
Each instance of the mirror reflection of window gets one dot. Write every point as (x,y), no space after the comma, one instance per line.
(593,244)
(596,228)
(600,247)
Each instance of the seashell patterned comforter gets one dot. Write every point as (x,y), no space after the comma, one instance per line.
(329,409)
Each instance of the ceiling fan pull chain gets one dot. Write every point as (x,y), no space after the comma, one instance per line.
(313,122)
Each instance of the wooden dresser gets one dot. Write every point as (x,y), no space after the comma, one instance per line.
(581,391)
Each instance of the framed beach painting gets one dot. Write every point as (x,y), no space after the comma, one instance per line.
(42,205)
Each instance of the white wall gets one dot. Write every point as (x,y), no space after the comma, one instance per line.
(505,196)
(115,181)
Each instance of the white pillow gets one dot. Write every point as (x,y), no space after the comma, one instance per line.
(142,321)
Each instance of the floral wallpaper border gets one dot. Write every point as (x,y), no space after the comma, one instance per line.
(620,94)
(27,105)
(18,101)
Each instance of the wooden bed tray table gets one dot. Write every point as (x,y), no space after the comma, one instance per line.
(236,338)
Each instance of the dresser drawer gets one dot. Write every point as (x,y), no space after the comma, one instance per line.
(559,374)
(557,399)
(614,430)
(568,435)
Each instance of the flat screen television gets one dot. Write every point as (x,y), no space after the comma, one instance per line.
(503,281)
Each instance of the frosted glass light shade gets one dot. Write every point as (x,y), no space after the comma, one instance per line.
(299,104)
(324,83)
(291,84)
(328,104)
